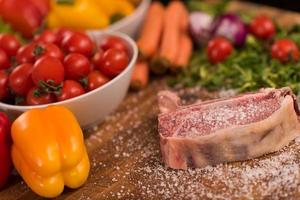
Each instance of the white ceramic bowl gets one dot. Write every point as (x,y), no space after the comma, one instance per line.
(92,107)
(130,25)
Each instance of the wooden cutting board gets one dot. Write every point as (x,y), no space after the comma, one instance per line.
(126,163)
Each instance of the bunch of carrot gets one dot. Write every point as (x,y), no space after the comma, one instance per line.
(164,42)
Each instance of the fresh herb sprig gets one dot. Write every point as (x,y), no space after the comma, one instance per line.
(247,69)
(213,9)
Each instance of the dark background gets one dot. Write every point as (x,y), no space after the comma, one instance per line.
(293,5)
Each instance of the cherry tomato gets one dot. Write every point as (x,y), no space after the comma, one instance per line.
(78,43)
(61,33)
(77,66)
(10,44)
(4,60)
(48,50)
(20,80)
(262,27)
(47,36)
(25,54)
(114,62)
(96,79)
(113,42)
(36,97)
(70,89)
(3,85)
(97,59)
(218,49)
(49,70)
(285,50)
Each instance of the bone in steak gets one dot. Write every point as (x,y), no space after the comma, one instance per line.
(225,130)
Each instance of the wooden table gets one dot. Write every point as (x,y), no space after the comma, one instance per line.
(126,163)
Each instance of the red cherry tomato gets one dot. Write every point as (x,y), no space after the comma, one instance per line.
(78,43)
(262,27)
(36,97)
(62,33)
(285,50)
(77,66)
(25,54)
(48,69)
(4,60)
(96,79)
(48,50)
(10,44)
(3,85)
(69,90)
(113,42)
(97,59)
(20,80)
(218,49)
(47,36)
(114,62)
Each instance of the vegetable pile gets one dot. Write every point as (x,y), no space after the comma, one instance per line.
(57,65)
(240,56)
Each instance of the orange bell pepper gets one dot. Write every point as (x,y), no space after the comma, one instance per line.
(48,150)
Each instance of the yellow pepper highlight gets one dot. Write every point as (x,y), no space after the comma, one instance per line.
(86,14)
(113,7)
(81,15)
(48,150)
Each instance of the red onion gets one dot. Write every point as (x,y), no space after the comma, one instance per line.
(231,27)
(200,27)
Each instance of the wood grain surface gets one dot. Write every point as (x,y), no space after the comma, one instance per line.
(126,164)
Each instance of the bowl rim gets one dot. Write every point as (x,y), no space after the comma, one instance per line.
(130,65)
(125,20)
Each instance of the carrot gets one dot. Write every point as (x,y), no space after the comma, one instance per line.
(185,52)
(140,76)
(151,31)
(174,21)
(184,24)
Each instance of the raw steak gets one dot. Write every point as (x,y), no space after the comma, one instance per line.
(224,130)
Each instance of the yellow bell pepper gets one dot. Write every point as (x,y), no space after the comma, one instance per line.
(80,15)
(48,150)
(113,7)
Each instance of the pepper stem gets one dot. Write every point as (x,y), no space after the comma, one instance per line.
(70,2)
(49,87)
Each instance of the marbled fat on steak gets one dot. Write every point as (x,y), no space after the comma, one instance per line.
(225,130)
